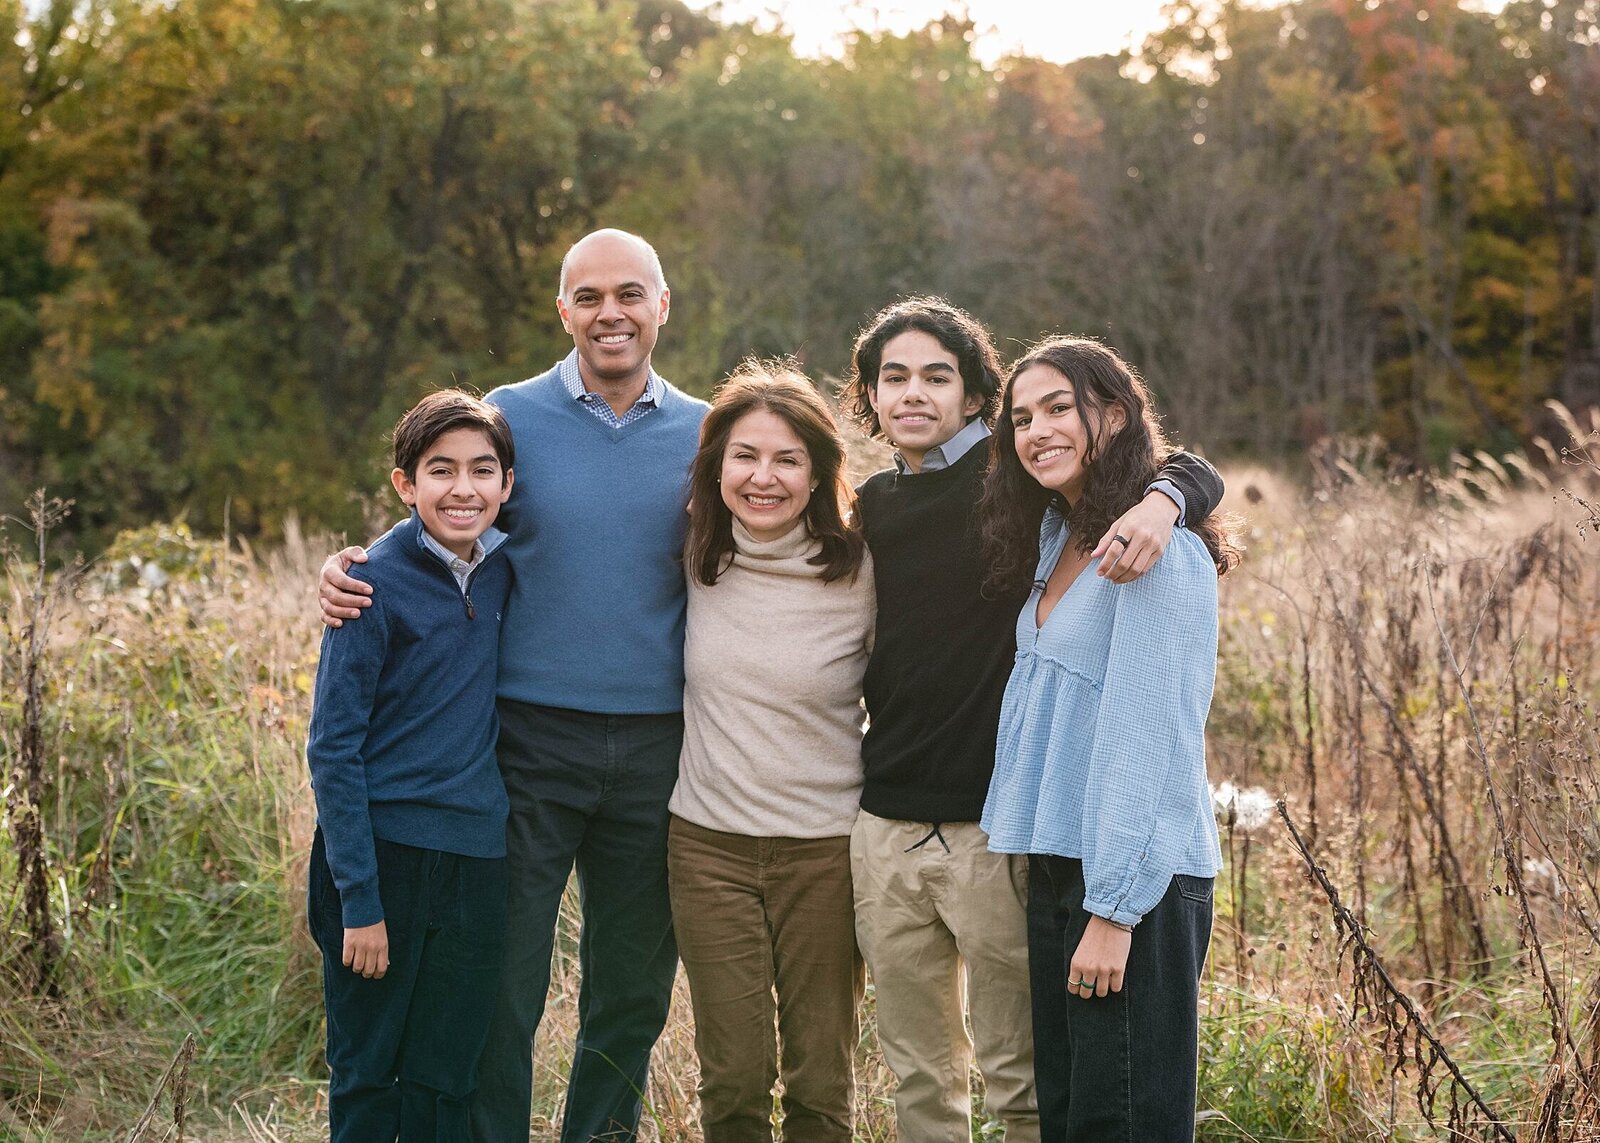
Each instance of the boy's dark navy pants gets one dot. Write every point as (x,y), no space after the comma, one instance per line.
(403,1050)
(1118,1068)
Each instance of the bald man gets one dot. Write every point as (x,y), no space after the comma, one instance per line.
(590,688)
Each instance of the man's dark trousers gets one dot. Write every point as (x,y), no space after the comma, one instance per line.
(591,790)
(403,1048)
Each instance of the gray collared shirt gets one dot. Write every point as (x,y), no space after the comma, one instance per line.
(596,404)
(943,456)
(1175,494)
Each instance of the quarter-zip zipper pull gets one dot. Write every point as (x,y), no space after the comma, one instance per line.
(466,588)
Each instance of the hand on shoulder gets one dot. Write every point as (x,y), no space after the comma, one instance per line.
(341,596)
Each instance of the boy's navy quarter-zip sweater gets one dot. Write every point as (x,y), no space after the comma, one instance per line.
(403,722)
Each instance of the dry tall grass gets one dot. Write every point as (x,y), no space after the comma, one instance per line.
(1410,664)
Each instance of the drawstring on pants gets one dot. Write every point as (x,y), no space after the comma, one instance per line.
(929,836)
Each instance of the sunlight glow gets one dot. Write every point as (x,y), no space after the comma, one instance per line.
(1062,30)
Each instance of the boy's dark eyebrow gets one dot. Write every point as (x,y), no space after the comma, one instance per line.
(439,458)
(931,367)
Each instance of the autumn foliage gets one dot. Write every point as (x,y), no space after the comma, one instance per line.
(238,236)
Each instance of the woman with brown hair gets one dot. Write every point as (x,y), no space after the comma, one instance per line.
(1100,770)
(779,628)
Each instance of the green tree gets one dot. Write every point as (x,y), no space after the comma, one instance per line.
(280,222)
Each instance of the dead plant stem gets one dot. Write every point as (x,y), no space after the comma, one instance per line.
(1352,931)
(1560,1032)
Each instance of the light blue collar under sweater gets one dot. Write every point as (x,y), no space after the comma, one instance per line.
(572,379)
(973,433)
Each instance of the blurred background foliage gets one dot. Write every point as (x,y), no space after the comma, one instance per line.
(238,237)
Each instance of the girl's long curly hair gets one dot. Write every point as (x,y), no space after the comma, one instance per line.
(1120,466)
(781,389)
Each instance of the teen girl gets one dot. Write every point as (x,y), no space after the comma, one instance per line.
(1100,769)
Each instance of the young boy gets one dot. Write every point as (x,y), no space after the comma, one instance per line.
(407,895)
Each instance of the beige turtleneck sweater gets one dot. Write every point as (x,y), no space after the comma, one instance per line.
(773,663)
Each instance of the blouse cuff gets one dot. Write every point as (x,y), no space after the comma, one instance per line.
(1118,914)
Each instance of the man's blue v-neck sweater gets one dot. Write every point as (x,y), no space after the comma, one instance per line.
(403,724)
(597,521)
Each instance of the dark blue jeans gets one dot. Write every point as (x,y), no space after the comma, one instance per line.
(1119,1068)
(590,790)
(403,1049)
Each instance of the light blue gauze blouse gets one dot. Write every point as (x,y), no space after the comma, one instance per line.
(1101,753)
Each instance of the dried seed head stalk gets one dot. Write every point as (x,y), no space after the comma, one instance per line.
(1406,1040)
(26,622)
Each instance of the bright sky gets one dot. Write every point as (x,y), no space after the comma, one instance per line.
(1058,30)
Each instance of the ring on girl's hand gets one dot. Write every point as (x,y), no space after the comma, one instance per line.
(1082,984)
(1123,540)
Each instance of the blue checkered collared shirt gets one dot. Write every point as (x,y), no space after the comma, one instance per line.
(459,567)
(596,404)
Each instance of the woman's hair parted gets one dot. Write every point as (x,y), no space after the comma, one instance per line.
(1119,467)
(778,387)
(952,327)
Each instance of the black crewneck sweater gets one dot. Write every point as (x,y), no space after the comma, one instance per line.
(943,651)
